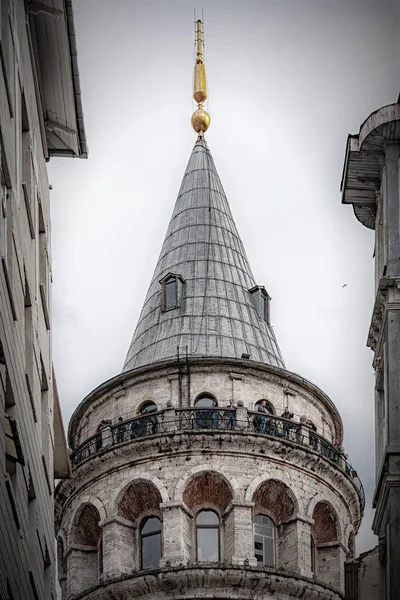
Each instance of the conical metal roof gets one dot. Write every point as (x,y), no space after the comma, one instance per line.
(216,316)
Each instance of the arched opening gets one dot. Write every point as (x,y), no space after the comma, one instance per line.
(207,489)
(268,405)
(140,504)
(207,494)
(264,540)
(147,407)
(207,417)
(150,542)
(87,532)
(138,498)
(274,500)
(324,534)
(207,536)
(205,401)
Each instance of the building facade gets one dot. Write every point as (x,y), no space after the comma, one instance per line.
(371,184)
(40,117)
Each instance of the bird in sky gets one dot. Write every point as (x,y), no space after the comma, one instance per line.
(344,285)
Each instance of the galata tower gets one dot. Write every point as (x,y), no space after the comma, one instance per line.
(206,469)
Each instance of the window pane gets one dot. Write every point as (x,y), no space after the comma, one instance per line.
(151,550)
(207,545)
(152,524)
(264,542)
(207,517)
(171,299)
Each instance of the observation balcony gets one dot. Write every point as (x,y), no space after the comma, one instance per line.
(223,421)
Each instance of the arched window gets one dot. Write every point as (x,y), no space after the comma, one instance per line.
(268,405)
(206,416)
(147,407)
(205,401)
(207,536)
(150,542)
(264,540)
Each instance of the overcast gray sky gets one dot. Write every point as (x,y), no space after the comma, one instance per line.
(288,80)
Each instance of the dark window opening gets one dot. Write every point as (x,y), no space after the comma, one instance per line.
(150,536)
(147,407)
(260,300)
(268,406)
(172,291)
(205,401)
(171,296)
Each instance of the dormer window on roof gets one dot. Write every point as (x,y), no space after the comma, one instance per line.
(260,300)
(172,291)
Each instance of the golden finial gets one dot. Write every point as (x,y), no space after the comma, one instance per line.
(200,117)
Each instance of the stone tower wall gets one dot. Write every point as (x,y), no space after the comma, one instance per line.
(176,470)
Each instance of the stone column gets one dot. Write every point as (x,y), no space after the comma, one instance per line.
(106,436)
(241,417)
(119,546)
(238,534)
(330,564)
(170,418)
(294,552)
(177,534)
(82,568)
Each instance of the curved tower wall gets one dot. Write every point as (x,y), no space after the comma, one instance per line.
(177,463)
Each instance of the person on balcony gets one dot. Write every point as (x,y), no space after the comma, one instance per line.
(214,415)
(230,416)
(287,426)
(313,439)
(262,420)
(120,430)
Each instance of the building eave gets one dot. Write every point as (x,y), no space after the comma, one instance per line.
(62,468)
(54,53)
(363,163)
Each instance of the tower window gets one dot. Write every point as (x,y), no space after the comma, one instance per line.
(147,407)
(150,535)
(172,288)
(207,533)
(260,300)
(264,540)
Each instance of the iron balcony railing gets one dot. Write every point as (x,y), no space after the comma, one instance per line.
(216,419)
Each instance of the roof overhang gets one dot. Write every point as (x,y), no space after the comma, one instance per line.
(62,469)
(53,45)
(364,160)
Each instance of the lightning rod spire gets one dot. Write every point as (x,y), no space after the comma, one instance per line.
(200,117)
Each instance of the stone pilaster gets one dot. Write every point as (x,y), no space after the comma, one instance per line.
(330,564)
(177,534)
(238,534)
(294,546)
(119,546)
(82,568)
